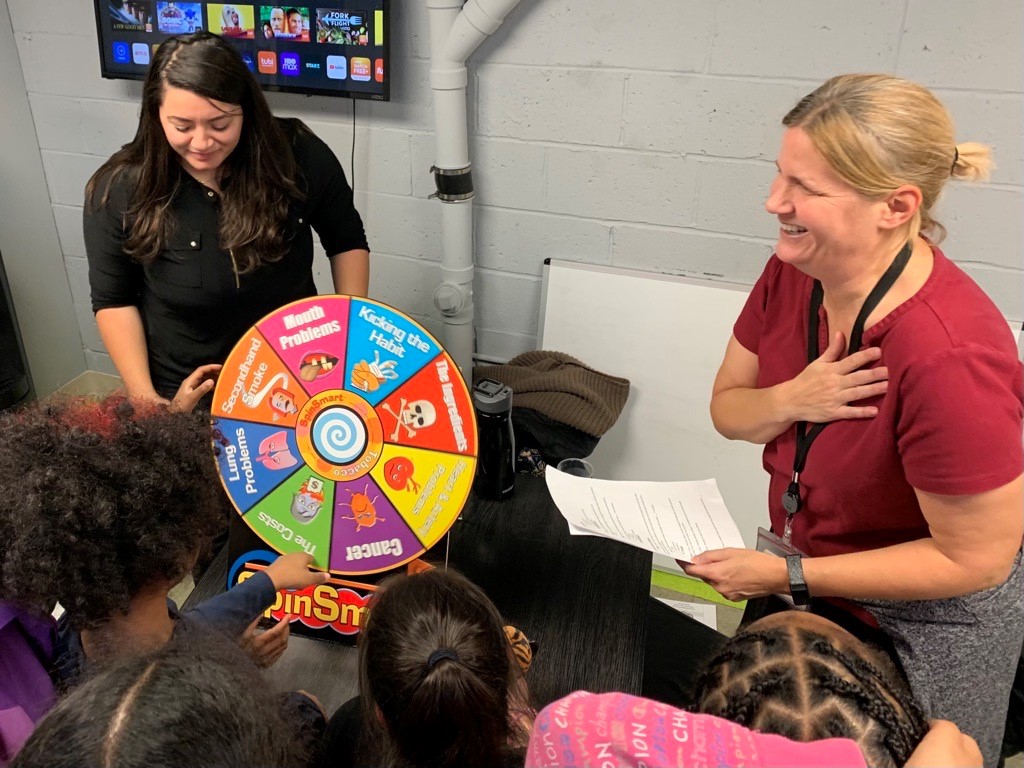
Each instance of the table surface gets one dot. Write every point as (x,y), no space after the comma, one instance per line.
(583,599)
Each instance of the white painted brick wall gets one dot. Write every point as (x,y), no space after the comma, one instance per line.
(808,39)
(640,137)
(518,241)
(69,230)
(703,254)
(732,196)
(947,45)
(516,101)
(67,174)
(725,117)
(620,185)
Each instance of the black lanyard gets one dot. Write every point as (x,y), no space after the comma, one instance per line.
(804,438)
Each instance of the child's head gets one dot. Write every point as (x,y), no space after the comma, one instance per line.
(100,500)
(196,701)
(801,676)
(436,664)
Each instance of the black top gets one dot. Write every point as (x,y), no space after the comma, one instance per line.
(192,308)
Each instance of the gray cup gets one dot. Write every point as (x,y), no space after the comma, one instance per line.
(576,467)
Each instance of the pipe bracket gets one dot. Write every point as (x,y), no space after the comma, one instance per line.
(453,184)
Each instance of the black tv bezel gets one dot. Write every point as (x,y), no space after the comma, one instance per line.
(306,90)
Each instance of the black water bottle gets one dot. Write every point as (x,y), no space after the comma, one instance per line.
(496,459)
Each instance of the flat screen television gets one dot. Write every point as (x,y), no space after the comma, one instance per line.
(338,48)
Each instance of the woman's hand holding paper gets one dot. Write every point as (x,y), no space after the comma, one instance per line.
(740,574)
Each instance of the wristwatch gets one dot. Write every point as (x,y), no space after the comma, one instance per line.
(797,585)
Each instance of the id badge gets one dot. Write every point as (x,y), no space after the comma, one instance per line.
(773,545)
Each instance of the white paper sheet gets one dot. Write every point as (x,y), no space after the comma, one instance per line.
(679,519)
(702,612)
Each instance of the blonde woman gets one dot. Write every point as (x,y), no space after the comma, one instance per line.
(886,388)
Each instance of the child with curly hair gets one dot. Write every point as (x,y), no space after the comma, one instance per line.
(106,505)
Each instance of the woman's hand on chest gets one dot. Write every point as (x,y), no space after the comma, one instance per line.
(824,390)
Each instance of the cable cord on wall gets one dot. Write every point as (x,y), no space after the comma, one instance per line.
(352,159)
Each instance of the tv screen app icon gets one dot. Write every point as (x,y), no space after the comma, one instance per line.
(289,63)
(140,53)
(361,68)
(122,52)
(266,62)
(337,67)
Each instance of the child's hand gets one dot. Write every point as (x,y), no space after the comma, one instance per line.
(195,388)
(265,648)
(292,572)
(944,744)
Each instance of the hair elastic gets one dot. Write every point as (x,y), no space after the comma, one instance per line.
(439,654)
(956,159)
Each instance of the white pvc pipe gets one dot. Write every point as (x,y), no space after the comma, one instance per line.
(452,140)
(455,32)
(478,20)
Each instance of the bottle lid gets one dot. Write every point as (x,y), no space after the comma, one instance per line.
(490,396)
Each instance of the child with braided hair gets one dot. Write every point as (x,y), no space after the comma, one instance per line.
(617,729)
(800,693)
(798,675)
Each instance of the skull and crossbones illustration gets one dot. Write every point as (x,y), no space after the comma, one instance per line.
(418,414)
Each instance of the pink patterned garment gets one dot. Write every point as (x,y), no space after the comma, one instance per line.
(616,729)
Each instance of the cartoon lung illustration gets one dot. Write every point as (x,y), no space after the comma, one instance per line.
(344,431)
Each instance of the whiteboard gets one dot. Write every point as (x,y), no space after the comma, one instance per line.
(667,335)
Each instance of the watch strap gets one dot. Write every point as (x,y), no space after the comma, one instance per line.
(797,584)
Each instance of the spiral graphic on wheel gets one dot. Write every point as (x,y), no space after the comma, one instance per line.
(363,465)
(339,435)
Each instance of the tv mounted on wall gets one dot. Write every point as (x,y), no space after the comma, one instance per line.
(338,48)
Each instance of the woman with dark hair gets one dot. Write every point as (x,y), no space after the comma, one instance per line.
(197,701)
(440,680)
(104,507)
(203,223)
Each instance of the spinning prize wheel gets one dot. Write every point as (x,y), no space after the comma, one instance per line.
(347,432)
